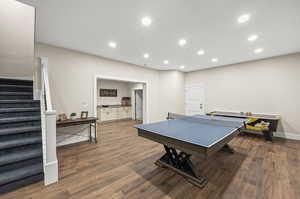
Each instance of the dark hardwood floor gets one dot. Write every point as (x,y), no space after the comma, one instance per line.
(121,165)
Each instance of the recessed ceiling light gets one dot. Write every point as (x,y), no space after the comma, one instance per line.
(201,52)
(166,62)
(252,37)
(146,21)
(146,55)
(182,42)
(112,44)
(243,18)
(258,50)
(214,60)
(182,67)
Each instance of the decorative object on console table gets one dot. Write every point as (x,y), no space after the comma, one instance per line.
(108,92)
(73,116)
(62,117)
(84,114)
(126,101)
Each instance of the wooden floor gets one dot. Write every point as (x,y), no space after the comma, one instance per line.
(121,166)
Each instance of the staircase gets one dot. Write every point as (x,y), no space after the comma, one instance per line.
(21,161)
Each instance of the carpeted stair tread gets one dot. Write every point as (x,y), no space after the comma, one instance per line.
(19,140)
(16,93)
(18,101)
(15,110)
(19,119)
(16,81)
(21,183)
(17,130)
(15,155)
(21,173)
(14,86)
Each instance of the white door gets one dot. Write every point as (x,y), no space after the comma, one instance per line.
(138,104)
(194,99)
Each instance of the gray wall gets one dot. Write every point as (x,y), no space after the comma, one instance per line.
(16,39)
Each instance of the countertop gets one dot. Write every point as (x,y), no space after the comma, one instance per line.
(113,106)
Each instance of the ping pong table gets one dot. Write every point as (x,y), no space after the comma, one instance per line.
(184,136)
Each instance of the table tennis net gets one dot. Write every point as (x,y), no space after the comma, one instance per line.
(227,122)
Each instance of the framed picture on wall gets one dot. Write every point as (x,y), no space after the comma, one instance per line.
(108,92)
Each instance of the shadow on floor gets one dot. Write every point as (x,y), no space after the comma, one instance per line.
(219,170)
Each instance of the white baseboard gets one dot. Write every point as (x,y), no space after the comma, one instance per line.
(286,135)
(51,173)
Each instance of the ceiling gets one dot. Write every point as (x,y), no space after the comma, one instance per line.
(211,25)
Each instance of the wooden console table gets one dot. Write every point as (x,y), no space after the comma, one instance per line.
(92,121)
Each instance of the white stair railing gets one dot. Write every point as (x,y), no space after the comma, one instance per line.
(45,83)
(48,126)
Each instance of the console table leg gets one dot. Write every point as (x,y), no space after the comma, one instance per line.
(90,133)
(95,130)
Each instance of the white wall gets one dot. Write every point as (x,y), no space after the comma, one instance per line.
(16,39)
(171,92)
(72,76)
(123,90)
(266,86)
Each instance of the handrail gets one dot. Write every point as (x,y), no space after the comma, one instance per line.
(45,83)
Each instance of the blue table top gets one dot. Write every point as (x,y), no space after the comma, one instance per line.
(202,134)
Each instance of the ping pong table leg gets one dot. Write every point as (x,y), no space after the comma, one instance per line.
(181,163)
(227,148)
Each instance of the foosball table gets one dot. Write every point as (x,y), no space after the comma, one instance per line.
(257,123)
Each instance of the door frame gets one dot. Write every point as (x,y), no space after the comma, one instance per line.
(135,91)
(145,93)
